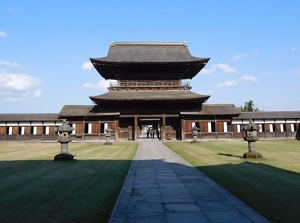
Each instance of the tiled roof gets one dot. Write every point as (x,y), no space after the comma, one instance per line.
(224,109)
(216,109)
(149,61)
(270,115)
(14,117)
(149,52)
(92,110)
(83,110)
(149,96)
(75,110)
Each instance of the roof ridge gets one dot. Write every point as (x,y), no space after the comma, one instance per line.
(149,43)
(79,105)
(218,104)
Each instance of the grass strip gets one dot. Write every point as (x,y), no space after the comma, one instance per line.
(34,188)
(270,185)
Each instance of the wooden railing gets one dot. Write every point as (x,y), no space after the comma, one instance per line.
(19,137)
(149,84)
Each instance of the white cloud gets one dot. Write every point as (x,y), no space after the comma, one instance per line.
(88,85)
(3,34)
(294,49)
(248,78)
(227,83)
(207,71)
(239,56)
(18,87)
(268,73)
(296,70)
(9,99)
(226,68)
(18,82)
(255,52)
(231,83)
(9,63)
(37,93)
(16,96)
(101,85)
(219,67)
(87,66)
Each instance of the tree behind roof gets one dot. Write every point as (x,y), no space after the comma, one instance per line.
(248,107)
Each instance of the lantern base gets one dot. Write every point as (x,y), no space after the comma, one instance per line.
(194,141)
(252,154)
(195,138)
(107,143)
(63,157)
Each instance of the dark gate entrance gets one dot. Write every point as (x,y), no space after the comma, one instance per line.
(149,128)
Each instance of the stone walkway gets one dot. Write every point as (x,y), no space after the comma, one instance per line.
(163,187)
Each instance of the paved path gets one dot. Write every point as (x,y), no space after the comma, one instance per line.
(163,187)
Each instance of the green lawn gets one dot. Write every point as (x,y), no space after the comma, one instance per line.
(34,188)
(270,185)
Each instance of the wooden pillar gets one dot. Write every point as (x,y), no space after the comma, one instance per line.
(163,134)
(136,131)
(117,129)
(182,128)
(100,129)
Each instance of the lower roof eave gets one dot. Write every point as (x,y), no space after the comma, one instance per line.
(104,114)
(93,114)
(205,114)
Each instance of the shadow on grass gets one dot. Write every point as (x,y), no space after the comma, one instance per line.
(272,191)
(60,191)
(86,190)
(229,155)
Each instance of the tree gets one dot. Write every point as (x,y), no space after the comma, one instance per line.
(248,107)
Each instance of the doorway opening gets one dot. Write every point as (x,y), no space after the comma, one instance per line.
(150,128)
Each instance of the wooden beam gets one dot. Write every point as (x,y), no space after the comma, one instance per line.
(136,132)
(149,116)
(163,133)
(182,128)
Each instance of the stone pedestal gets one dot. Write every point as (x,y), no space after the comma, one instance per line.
(64,132)
(107,139)
(252,152)
(64,148)
(195,138)
(195,134)
(251,135)
(107,136)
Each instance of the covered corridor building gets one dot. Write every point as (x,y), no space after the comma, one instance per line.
(149,88)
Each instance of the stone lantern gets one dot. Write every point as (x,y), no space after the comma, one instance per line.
(250,134)
(108,132)
(64,131)
(195,134)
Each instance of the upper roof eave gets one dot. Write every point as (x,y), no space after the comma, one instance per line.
(152,52)
(148,61)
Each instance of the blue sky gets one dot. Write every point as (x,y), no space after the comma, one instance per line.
(45,48)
